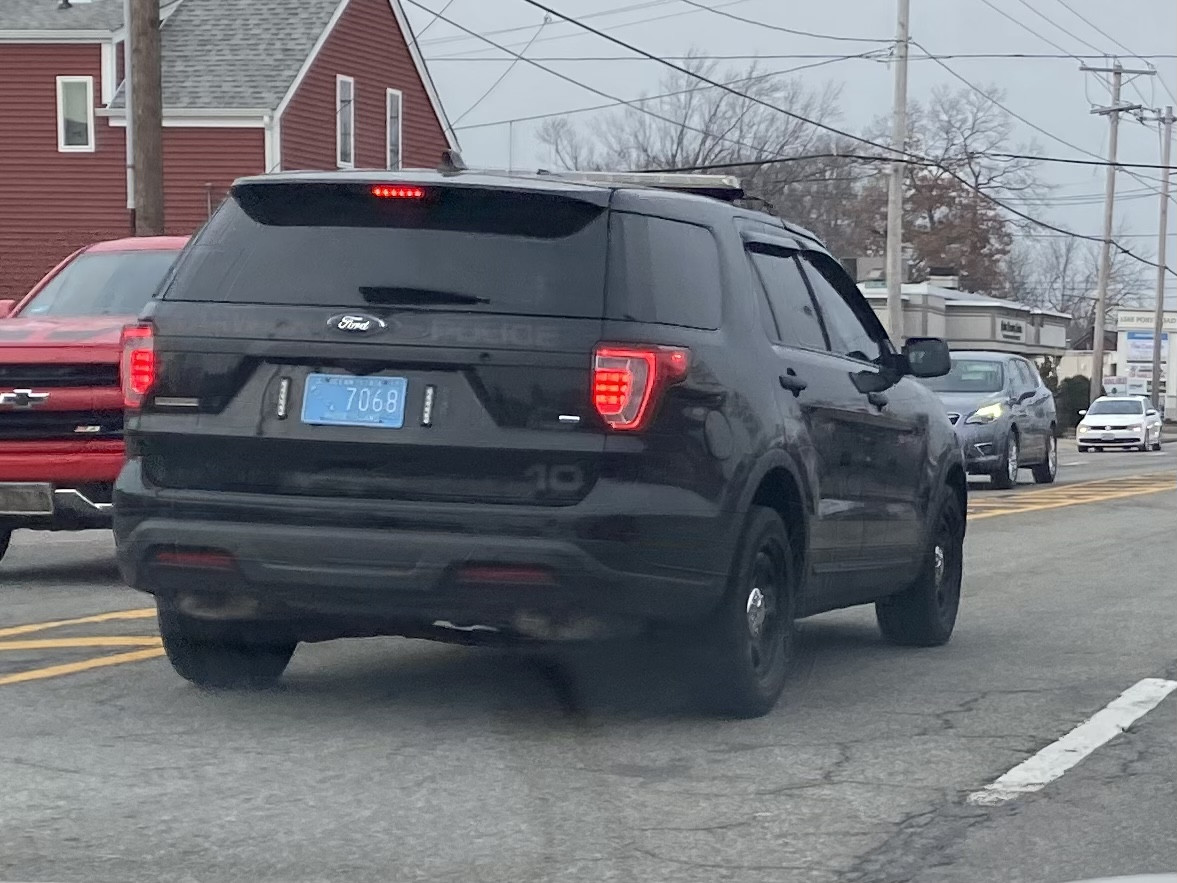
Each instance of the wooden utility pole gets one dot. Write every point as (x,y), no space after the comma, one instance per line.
(1166,121)
(894,258)
(146,113)
(1112,112)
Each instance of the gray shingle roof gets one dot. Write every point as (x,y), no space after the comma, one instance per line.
(43,15)
(238,53)
(223,54)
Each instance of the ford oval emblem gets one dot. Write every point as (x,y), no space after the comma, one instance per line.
(357,323)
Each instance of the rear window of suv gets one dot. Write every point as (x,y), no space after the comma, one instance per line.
(454,248)
(663,271)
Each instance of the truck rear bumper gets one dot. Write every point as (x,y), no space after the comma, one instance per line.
(44,506)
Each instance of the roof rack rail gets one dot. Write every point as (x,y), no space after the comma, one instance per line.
(725,187)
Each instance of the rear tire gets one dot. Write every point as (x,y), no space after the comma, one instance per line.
(1006,474)
(5,539)
(1046,471)
(1156,446)
(748,643)
(1083,449)
(925,614)
(200,655)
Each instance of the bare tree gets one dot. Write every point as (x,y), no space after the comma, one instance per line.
(951,212)
(1062,274)
(689,124)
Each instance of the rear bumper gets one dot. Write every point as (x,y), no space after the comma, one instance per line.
(372,568)
(69,508)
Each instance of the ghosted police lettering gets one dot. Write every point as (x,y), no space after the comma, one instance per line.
(495,333)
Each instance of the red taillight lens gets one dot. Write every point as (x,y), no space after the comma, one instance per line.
(138,366)
(398,191)
(628,379)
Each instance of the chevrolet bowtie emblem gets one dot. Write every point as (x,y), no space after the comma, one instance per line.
(23,398)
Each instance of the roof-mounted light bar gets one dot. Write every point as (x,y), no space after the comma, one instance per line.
(725,187)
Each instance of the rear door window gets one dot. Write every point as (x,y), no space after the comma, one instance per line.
(481,250)
(794,320)
(851,324)
(663,271)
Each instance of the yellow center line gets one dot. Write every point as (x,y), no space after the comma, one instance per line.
(66,643)
(1058,504)
(142,613)
(69,668)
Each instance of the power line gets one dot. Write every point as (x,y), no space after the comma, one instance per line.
(1100,30)
(910,157)
(713,167)
(781,28)
(1026,27)
(1053,23)
(621,102)
(436,15)
(503,75)
(615,11)
(1068,160)
(1017,116)
(613,98)
(798,56)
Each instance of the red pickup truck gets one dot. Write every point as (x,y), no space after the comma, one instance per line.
(61,405)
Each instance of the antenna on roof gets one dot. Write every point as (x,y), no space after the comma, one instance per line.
(451,162)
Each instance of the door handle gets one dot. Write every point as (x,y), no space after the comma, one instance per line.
(877,399)
(793,383)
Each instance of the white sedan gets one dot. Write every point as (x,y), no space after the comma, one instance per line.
(1119,422)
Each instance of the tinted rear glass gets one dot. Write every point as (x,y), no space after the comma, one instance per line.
(969,375)
(1116,406)
(109,283)
(463,249)
(663,271)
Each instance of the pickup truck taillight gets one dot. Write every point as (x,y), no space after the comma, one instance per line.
(137,367)
(627,380)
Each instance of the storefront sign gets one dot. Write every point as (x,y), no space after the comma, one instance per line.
(1139,346)
(1011,330)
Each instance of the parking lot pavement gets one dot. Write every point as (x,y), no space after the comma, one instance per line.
(388,759)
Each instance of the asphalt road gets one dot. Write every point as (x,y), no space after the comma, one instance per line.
(386,759)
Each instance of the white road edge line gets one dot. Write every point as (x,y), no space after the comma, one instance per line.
(1056,758)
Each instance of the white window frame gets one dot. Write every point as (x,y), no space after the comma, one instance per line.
(62,147)
(340,79)
(400,128)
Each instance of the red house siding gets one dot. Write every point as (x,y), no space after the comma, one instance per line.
(199,164)
(52,203)
(368,45)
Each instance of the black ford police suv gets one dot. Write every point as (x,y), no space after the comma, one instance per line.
(465,405)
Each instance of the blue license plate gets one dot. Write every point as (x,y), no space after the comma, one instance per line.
(344,400)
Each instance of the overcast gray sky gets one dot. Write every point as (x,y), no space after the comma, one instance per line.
(1051,93)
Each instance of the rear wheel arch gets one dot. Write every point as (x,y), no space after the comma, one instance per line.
(779,490)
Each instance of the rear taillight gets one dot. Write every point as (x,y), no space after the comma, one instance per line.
(138,366)
(627,381)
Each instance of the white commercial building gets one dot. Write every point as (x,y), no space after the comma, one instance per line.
(1128,368)
(973,321)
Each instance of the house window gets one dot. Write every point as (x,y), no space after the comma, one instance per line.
(393,107)
(75,114)
(345,122)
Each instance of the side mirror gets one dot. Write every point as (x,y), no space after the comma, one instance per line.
(926,357)
(6,306)
(1082,412)
(1026,396)
(1151,412)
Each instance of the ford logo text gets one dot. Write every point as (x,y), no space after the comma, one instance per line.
(357,323)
